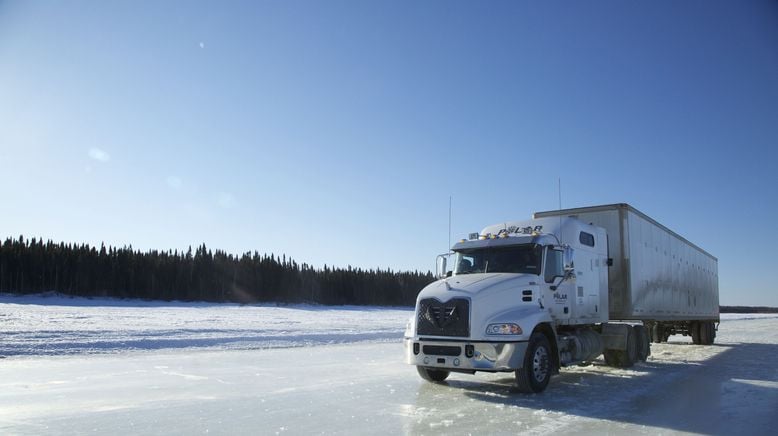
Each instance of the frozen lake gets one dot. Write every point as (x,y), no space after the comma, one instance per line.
(106,366)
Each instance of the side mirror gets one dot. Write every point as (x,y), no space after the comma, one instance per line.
(440,270)
(569,258)
(565,265)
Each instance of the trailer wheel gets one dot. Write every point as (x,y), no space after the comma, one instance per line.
(535,373)
(624,358)
(643,343)
(707,333)
(658,333)
(695,330)
(703,332)
(712,332)
(432,375)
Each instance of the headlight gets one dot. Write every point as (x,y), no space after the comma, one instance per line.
(503,329)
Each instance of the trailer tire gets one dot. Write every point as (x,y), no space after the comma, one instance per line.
(712,332)
(695,328)
(707,333)
(624,358)
(643,343)
(658,333)
(432,375)
(535,373)
(703,327)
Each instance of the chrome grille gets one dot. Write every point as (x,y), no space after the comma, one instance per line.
(451,318)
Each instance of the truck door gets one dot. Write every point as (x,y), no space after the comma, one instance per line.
(557,300)
(587,283)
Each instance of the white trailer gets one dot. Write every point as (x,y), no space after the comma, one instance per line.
(564,288)
(658,277)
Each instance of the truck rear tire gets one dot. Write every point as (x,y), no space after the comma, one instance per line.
(624,358)
(432,375)
(643,343)
(535,373)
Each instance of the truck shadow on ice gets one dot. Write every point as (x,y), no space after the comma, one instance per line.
(733,392)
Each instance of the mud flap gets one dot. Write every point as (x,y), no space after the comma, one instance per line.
(614,336)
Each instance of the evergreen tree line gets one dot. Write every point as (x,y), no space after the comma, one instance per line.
(32,266)
(747,309)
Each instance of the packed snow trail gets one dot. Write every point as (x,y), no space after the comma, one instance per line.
(364,388)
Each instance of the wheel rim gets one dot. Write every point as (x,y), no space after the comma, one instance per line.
(540,364)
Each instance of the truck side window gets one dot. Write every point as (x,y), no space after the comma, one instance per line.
(465,265)
(586,239)
(554,264)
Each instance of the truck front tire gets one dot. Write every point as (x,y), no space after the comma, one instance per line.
(432,375)
(535,373)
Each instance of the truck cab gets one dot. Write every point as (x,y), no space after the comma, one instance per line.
(516,291)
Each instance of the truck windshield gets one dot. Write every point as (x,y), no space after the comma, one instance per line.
(521,259)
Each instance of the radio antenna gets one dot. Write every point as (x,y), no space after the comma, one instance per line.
(450,198)
(559,189)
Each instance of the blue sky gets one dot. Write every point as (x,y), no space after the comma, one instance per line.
(335,132)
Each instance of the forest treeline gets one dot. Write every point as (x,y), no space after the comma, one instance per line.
(747,309)
(33,266)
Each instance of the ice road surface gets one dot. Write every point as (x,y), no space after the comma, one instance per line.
(76,366)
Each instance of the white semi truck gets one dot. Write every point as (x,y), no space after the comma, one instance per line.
(561,289)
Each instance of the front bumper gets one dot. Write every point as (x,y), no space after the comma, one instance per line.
(486,356)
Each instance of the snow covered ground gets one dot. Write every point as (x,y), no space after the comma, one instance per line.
(57,325)
(76,366)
